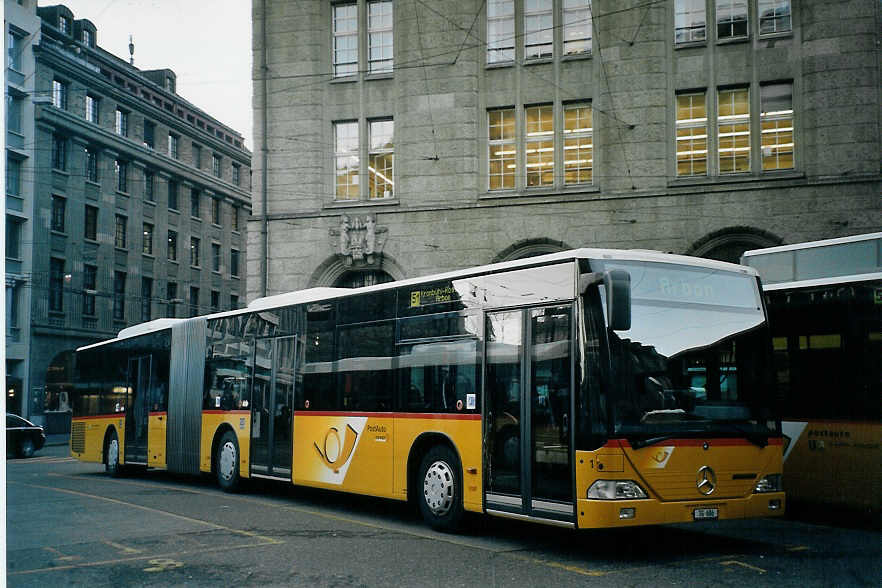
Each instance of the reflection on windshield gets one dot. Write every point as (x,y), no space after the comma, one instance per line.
(695,358)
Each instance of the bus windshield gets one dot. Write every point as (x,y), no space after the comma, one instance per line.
(695,360)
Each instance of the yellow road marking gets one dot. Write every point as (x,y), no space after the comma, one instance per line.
(733,562)
(798,548)
(122,548)
(60,555)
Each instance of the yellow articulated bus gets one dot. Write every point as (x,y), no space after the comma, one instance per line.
(825,305)
(589,388)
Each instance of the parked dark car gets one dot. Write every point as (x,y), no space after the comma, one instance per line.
(23,437)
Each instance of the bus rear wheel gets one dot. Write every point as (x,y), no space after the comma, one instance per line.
(227,464)
(111,456)
(440,489)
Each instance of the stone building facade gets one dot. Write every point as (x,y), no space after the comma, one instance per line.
(127,203)
(444,135)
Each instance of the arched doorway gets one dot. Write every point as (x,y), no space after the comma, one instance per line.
(728,244)
(359,278)
(336,272)
(530,248)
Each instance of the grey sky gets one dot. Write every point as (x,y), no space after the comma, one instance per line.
(206,42)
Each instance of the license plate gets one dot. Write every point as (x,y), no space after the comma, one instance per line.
(703,514)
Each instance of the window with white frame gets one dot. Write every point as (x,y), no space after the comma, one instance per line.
(776,122)
(216,165)
(690,21)
(381,159)
(380,40)
(539,148)
(345,27)
(122,175)
(692,134)
(500,31)
(774,16)
(172,146)
(346,162)
(538,29)
(577,27)
(502,148)
(59,94)
(731,19)
(236,172)
(91,164)
(14,50)
(578,133)
(733,130)
(92,109)
(122,123)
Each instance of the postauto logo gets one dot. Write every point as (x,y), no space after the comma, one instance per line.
(334,451)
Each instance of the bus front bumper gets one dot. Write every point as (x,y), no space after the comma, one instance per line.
(595,514)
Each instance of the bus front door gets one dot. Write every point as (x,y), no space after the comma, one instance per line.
(138,409)
(272,413)
(528,413)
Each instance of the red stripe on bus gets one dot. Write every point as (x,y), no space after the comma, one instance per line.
(161,413)
(226,412)
(99,416)
(390,415)
(737,441)
(829,421)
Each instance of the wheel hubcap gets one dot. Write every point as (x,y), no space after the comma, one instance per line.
(113,453)
(438,488)
(227,463)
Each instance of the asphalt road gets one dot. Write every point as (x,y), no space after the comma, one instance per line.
(69,524)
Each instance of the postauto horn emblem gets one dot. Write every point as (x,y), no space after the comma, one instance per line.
(706,480)
(336,451)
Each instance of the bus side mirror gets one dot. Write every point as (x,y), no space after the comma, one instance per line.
(618,299)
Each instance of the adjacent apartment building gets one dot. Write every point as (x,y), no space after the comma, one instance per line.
(124,203)
(400,138)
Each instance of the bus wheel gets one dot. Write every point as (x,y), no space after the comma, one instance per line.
(440,482)
(111,456)
(228,462)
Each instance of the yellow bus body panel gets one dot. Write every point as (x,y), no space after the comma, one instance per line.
(94,430)
(669,473)
(240,421)
(156,434)
(834,462)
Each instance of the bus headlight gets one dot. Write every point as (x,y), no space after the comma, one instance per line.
(770,483)
(615,490)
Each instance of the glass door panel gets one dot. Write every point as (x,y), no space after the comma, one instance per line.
(504,335)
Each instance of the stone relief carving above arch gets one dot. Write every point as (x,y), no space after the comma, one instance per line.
(358,240)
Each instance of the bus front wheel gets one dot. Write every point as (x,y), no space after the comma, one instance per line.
(228,462)
(440,489)
(111,456)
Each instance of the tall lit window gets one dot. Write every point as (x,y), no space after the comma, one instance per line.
(500,31)
(59,94)
(172,146)
(91,164)
(92,109)
(194,251)
(59,204)
(538,29)
(502,148)
(59,152)
(731,19)
(733,130)
(91,223)
(578,135)
(776,121)
(690,21)
(146,298)
(119,296)
(381,159)
(56,284)
(172,245)
(576,26)
(346,160)
(90,287)
(122,175)
(540,145)
(345,39)
(691,135)
(380,37)
(122,123)
(774,16)
(147,243)
(119,236)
